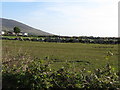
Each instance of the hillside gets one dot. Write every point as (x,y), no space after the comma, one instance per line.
(8,25)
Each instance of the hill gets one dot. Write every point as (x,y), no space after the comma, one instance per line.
(9,24)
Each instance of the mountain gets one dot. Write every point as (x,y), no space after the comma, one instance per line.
(8,25)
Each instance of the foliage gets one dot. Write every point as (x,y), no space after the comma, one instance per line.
(16,29)
(37,74)
(62,39)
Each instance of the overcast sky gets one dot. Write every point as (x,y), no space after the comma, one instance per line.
(63,17)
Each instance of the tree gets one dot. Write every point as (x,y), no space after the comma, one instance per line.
(17,30)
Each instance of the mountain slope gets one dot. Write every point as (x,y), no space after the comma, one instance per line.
(8,24)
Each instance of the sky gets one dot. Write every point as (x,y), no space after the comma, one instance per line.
(66,17)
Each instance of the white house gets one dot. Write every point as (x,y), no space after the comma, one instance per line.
(25,34)
(2,32)
(13,33)
(20,34)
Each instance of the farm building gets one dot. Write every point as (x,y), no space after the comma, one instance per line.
(2,32)
(25,34)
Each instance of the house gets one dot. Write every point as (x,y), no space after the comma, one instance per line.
(10,33)
(25,34)
(13,33)
(20,34)
(2,32)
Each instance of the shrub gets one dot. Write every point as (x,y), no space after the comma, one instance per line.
(37,75)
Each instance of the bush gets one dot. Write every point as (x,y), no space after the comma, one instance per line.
(37,75)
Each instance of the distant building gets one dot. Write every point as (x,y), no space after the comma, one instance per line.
(25,34)
(10,33)
(20,34)
(13,33)
(2,32)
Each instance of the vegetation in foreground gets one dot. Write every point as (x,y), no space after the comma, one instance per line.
(37,74)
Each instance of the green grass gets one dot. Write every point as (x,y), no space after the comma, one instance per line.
(95,54)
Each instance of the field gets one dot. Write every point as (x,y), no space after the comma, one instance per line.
(42,65)
(80,55)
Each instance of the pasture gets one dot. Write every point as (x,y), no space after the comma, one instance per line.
(79,55)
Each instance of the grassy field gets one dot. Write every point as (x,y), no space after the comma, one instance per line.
(79,55)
